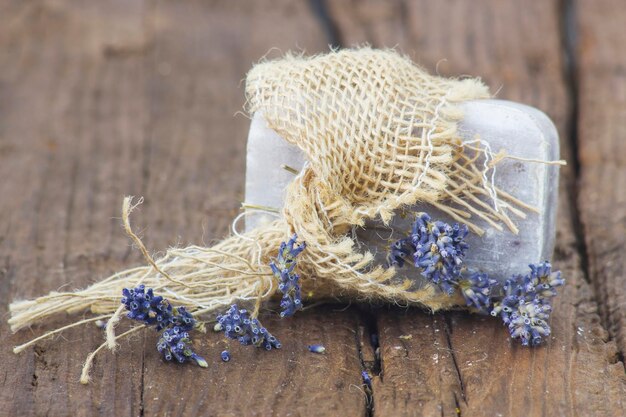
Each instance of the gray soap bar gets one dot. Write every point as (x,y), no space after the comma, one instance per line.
(520,130)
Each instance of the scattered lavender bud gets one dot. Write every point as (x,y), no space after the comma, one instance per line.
(317,348)
(176,344)
(238,325)
(225,356)
(367,380)
(282,268)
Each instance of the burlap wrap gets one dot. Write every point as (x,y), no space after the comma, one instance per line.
(380,134)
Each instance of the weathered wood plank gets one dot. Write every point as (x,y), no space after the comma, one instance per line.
(61,101)
(601,128)
(197,158)
(100,100)
(474,369)
(289,381)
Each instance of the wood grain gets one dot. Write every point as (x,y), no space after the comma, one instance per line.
(197,160)
(103,99)
(601,128)
(459,364)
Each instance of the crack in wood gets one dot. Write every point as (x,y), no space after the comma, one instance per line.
(569,41)
(142,382)
(569,44)
(366,319)
(447,324)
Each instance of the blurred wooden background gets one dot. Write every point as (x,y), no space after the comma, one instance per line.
(101,99)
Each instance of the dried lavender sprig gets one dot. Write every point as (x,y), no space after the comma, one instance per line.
(282,268)
(237,324)
(175,343)
(477,290)
(525,306)
(529,322)
(175,322)
(154,310)
(437,249)
(543,281)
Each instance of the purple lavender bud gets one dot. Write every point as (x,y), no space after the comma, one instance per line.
(282,268)
(367,380)
(437,249)
(238,325)
(525,306)
(176,344)
(476,289)
(317,348)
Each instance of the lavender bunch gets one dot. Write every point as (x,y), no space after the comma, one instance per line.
(437,248)
(175,322)
(526,304)
(237,324)
(175,343)
(154,310)
(523,301)
(282,268)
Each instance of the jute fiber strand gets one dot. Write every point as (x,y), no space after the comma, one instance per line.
(380,134)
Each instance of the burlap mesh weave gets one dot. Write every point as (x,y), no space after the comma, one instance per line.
(379,133)
(362,118)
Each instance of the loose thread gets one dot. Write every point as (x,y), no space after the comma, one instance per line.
(257,303)
(110,327)
(560,162)
(22,347)
(240,236)
(84,376)
(431,148)
(489,155)
(255,207)
(128,208)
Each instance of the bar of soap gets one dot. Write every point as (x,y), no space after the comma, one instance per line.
(520,130)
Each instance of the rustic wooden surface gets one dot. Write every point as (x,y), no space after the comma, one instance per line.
(104,99)
(602,153)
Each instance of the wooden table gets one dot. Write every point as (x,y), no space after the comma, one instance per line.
(103,99)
